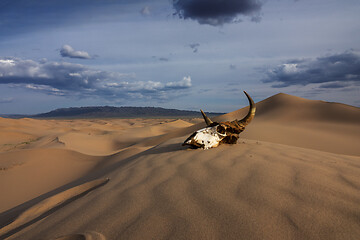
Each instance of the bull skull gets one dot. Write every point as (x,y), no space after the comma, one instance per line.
(218,133)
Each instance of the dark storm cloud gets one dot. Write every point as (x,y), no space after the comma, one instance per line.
(335,70)
(68,51)
(217,12)
(61,78)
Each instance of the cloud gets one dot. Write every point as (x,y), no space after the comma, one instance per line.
(335,70)
(145,11)
(164,59)
(217,12)
(6,100)
(184,83)
(334,85)
(68,51)
(232,67)
(68,79)
(150,86)
(194,47)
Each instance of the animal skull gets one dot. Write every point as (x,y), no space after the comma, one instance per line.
(218,133)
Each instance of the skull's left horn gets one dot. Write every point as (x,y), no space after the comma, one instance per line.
(252,109)
(206,118)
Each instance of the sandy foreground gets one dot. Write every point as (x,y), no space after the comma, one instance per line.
(294,174)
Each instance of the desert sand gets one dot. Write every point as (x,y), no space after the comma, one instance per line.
(294,174)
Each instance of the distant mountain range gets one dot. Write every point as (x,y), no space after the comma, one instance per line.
(114,112)
(15,116)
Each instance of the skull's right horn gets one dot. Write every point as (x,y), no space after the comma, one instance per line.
(252,109)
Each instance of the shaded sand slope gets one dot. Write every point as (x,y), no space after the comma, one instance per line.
(252,190)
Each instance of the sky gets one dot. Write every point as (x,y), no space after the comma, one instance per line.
(183,54)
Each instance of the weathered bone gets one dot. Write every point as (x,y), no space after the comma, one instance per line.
(223,132)
(206,118)
(251,114)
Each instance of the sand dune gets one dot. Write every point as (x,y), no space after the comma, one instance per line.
(294,174)
(295,121)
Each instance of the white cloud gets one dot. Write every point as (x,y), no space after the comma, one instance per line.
(151,86)
(75,74)
(184,83)
(68,51)
(62,78)
(6,61)
(290,68)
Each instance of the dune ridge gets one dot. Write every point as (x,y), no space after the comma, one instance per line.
(294,174)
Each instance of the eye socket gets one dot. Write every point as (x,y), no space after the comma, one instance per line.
(220,129)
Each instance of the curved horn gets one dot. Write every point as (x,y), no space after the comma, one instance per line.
(247,119)
(207,120)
